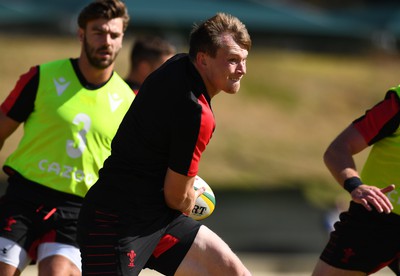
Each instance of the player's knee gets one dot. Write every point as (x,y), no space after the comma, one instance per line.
(58,265)
(236,271)
(235,267)
(245,272)
(6,269)
(211,255)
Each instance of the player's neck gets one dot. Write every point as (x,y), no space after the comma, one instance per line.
(94,75)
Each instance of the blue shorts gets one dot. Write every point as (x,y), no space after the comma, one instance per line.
(363,240)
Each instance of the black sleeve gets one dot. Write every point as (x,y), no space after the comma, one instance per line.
(20,102)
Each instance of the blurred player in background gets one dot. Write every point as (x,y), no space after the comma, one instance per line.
(147,54)
(71,109)
(366,238)
(135,216)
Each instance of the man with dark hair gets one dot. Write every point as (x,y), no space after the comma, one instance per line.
(148,53)
(71,109)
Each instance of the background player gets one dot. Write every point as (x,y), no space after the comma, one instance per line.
(366,238)
(148,53)
(71,109)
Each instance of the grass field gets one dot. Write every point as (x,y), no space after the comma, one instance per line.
(274,132)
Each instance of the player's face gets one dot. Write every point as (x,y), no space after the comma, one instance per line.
(102,41)
(225,71)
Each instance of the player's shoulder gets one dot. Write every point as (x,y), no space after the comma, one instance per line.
(66,61)
(174,67)
(393,94)
(170,77)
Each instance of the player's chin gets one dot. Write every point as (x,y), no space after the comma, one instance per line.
(105,63)
(232,90)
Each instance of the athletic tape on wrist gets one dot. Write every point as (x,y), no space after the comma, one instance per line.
(351,183)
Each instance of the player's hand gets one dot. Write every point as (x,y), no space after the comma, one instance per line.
(370,196)
(197,193)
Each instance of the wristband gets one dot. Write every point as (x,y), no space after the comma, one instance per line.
(351,183)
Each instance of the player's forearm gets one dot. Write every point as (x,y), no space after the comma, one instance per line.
(183,203)
(178,191)
(340,163)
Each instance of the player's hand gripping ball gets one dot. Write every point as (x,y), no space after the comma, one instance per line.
(205,203)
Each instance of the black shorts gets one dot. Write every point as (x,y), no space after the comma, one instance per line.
(363,240)
(31,214)
(115,244)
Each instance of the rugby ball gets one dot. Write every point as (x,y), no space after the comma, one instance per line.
(205,203)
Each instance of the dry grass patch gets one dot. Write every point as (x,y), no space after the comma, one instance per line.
(274,131)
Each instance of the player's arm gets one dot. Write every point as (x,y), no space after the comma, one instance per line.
(19,103)
(340,162)
(377,123)
(179,192)
(339,155)
(7,127)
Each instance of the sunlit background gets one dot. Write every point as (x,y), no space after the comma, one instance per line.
(315,66)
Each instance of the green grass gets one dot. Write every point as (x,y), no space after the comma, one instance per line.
(273,133)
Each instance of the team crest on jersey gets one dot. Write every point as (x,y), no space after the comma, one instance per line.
(115,101)
(61,84)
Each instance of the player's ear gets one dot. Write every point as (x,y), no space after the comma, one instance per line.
(201,59)
(81,34)
(144,69)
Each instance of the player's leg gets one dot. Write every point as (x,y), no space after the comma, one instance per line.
(8,270)
(57,249)
(106,248)
(13,258)
(323,269)
(210,255)
(15,224)
(189,248)
(362,243)
(58,265)
(58,259)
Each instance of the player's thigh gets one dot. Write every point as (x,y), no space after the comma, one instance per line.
(58,259)
(13,257)
(324,269)
(210,255)
(58,265)
(8,270)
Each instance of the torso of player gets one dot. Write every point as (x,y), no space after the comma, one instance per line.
(168,126)
(69,133)
(382,166)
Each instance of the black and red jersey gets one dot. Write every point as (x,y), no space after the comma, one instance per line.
(20,102)
(133,85)
(168,125)
(381,120)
